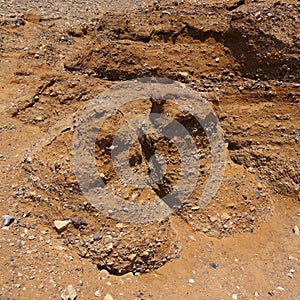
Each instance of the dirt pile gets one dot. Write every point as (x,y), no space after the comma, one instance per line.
(242,55)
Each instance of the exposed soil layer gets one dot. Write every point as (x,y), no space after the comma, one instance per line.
(243,57)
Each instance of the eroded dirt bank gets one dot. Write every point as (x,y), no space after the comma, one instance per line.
(243,56)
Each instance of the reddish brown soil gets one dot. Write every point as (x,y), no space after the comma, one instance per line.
(244,57)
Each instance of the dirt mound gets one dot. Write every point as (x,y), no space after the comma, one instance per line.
(243,56)
(49,168)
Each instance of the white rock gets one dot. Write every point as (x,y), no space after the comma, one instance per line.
(104,274)
(234,296)
(7,219)
(183,74)
(191,281)
(61,225)
(69,293)
(97,293)
(108,297)
(296,230)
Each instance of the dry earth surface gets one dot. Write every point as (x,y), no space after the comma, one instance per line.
(243,57)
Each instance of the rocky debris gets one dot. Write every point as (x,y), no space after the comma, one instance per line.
(191,281)
(60,226)
(69,293)
(7,220)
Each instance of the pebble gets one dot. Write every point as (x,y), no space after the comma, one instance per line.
(104,274)
(291,273)
(60,226)
(191,281)
(69,293)
(293,258)
(213,265)
(78,222)
(7,219)
(108,297)
(234,296)
(97,293)
(195,208)
(259,186)
(183,74)
(192,238)
(296,230)
(279,288)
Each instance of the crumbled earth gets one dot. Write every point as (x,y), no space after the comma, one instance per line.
(243,57)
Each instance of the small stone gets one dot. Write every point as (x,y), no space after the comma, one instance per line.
(60,226)
(29,159)
(290,274)
(296,230)
(104,274)
(279,288)
(69,293)
(225,216)
(39,119)
(257,14)
(132,256)
(120,225)
(192,238)
(145,254)
(293,258)
(234,296)
(191,281)
(251,170)
(78,222)
(217,59)
(213,265)
(183,74)
(256,294)
(213,219)
(7,220)
(127,275)
(108,297)
(259,186)
(97,293)
(195,208)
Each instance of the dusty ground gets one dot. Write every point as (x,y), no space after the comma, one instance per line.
(56,56)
